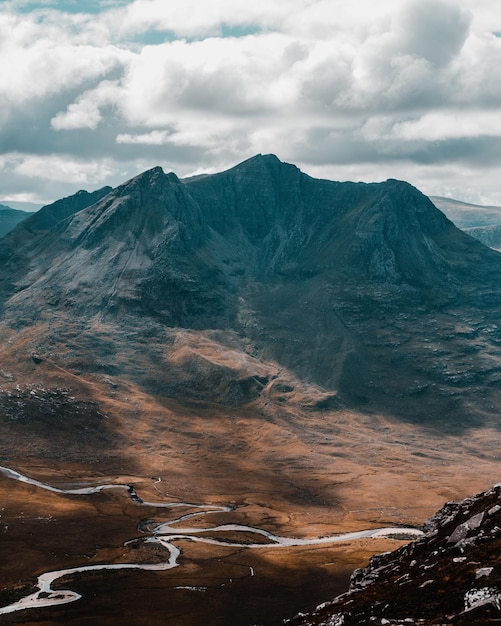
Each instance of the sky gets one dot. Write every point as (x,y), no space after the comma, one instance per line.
(93,93)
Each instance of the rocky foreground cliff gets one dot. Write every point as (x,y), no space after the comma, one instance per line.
(452,575)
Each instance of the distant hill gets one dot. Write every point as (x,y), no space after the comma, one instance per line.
(488,235)
(28,207)
(466,215)
(9,218)
(481,222)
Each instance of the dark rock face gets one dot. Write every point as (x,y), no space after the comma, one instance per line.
(452,575)
(294,225)
(341,283)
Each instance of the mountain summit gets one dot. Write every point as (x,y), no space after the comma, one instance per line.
(337,282)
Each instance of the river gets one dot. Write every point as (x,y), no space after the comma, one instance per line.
(167,534)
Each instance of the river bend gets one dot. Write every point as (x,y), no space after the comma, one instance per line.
(167,534)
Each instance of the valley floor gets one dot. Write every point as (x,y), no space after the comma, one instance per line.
(295,478)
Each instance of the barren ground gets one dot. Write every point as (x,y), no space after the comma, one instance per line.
(300,480)
(286,468)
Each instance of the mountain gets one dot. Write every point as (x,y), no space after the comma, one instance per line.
(27,207)
(337,282)
(488,235)
(294,356)
(34,227)
(10,218)
(466,215)
(481,222)
(449,576)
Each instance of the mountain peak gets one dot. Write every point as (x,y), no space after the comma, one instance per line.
(266,162)
(151,179)
(239,249)
(149,176)
(264,158)
(152,172)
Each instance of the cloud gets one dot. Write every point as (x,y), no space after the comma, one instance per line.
(86,111)
(40,60)
(446,125)
(57,169)
(433,30)
(191,18)
(324,83)
(153,138)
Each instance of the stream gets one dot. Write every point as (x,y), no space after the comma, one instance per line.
(166,534)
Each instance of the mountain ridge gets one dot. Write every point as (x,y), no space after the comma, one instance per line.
(235,251)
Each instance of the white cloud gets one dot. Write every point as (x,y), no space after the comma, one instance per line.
(221,77)
(153,138)
(39,61)
(191,18)
(448,125)
(326,83)
(433,30)
(64,169)
(86,111)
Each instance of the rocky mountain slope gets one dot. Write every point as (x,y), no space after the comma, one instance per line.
(335,282)
(452,575)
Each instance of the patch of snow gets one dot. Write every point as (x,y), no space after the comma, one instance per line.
(494,510)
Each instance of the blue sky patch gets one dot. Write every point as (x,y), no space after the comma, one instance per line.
(70,6)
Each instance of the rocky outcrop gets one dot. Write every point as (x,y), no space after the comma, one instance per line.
(451,575)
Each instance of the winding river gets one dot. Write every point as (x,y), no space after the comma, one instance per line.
(166,534)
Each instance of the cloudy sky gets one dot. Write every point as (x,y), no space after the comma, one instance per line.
(345,89)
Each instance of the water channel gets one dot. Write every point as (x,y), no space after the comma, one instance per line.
(167,534)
